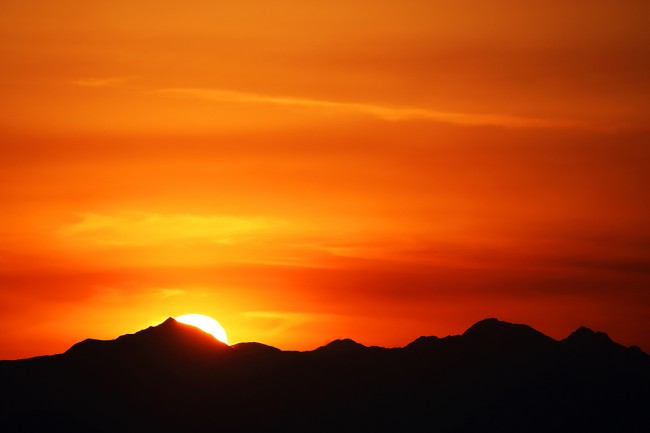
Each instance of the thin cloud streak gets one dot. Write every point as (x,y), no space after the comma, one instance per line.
(278,322)
(150,228)
(102,82)
(384,112)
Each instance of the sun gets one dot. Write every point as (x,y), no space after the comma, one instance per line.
(206,324)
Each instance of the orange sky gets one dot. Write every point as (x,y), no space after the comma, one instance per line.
(304,171)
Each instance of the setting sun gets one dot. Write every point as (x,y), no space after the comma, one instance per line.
(206,324)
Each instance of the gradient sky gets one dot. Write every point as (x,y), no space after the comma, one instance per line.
(309,170)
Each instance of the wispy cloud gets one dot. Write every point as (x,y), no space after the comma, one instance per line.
(148,228)
(276,322)
(168,293)
(129,293)
(385,112)
(102,82)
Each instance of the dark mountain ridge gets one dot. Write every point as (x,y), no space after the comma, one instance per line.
(495,377)
(168,338)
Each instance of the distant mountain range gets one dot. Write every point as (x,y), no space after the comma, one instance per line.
(495,377)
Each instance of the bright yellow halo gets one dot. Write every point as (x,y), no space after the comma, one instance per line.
(206,324)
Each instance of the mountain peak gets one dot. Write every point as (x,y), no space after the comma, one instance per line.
(491,323)
(495,326)
(170,338)
(494,332)
(344,345)
(584,337)
(252,348)
(169,322)
(424,343)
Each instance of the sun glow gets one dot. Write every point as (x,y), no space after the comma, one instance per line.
(206,324)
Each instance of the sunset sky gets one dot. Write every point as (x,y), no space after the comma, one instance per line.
(310,170)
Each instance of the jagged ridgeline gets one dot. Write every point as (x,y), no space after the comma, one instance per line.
(495,377)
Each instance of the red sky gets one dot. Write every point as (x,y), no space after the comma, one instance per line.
(304,171)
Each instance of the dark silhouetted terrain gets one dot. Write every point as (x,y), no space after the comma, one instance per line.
(496,377)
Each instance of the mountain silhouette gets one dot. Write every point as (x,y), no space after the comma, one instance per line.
(493,332)
(258,349)
(495,377)
(170,338)
(341,347)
